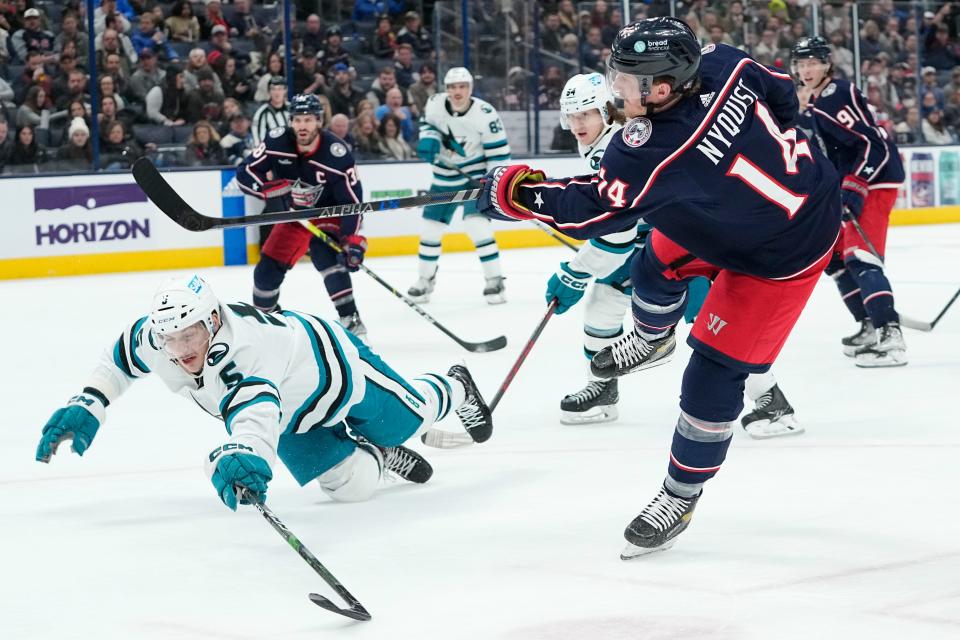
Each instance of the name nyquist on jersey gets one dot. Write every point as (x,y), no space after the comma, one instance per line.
(329,169)
(473,141)
(719,173)
(843,120)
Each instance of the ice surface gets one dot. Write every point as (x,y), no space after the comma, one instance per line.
(851,530)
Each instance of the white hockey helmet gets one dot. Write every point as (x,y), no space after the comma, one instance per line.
(182,302)
(583,92)
(458,74)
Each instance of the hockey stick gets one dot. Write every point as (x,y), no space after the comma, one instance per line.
(174,207)
(450,439)
(355,610)
(906,321)
(474,347)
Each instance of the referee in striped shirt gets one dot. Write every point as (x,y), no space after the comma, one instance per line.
(272,113)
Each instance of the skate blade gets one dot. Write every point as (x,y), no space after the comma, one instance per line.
(496,298)
(606,413)
(632,551)
(764,429)
(895,360)
(419,299)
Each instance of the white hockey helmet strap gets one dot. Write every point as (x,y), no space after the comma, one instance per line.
(182,302)
(458,74)
(584,92)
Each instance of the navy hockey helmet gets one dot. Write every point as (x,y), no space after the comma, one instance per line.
(306,104)
(815,47)
(655,48)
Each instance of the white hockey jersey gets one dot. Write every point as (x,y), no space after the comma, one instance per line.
(602,256)
(474,141)
(266,374)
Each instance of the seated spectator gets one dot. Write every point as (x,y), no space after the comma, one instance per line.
(421,90)
(231,107)
(147,76)
(931,85)
(568,15)
(312,36)
(70,32)
(951,114)
(551,32)
(111,43)
(204,102)
(307,78)
(196,61)
(32,37)
(551,87)
(76,153)
(108,88)
(108,113)
(117,71)
(26,152)
(6,143)
(570,49)
(33,75)
(204,148)
(938,51)
(79,109)
(118,150)
(394,105)
(238,142)
(147,37)
(34,111)
(935,130)
(591,50)
(908,131)
(343,96)
(615,22)
(219,41)
(386,80)
(563,141)
(413,34)
(403,67)
(232,78)
(212,17)
(272,113)
(928,103)
(182,25)
(384,42)
(167,103)
(340,127)
(366,139)
(107,11)
(75,88)
(392,145)
(274,68)
(333,52)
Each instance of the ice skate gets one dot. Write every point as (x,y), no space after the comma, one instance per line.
(867,335)
(421,289)
(494,290)
(474,412)
(771,417)
(354,325)
(597,402)
(657,526)
(889,350)
(406,463)
(632,353)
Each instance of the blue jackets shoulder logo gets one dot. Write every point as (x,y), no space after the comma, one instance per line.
(637,132)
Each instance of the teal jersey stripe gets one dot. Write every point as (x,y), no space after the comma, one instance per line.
(137,362)
(495,145)
(245,382)
(440,396)
(323,370)
(120,357)
(505,156)
(257,399)
(613,248)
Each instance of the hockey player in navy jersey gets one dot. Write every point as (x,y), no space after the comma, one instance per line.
(299,167)
(733,192)
(839,116)
(287,385)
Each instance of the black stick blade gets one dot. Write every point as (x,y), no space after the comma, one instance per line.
(484,347)
(356,612)
(165,198)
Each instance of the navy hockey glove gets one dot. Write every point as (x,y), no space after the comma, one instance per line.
(78,420)
(498,188)
(239,467)
(853,193)
(428,148)
(567,286)
(353,249)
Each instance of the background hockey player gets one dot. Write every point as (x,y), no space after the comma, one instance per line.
(460,136)
(287,385)
(300,167)
(732,193)
(840,117)
(587,109)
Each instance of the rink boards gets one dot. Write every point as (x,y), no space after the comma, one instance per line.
(103,223)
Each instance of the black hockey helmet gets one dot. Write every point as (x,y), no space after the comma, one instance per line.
(655,48)
(815,47)
(306,104)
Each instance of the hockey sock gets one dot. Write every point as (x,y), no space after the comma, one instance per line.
(875,290)
(481,233)
(603,319)
(849,292)
(431,233)
(758,384)
(267,277)
(443,395)
(335,278)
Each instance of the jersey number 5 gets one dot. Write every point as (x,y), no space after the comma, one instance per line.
(761,182)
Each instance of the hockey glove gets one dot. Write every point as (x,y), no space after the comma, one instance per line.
(567,286)
(353,249)
(428,148)
(78,420)
(853,193)
(275,189)
(498,189)
(239,468)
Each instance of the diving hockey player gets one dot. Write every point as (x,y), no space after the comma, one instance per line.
(587,110)
(460,136)
(287,385)
(733,193)
(300,167)
(861,151)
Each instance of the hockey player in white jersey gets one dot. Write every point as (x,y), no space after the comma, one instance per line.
(460,136)
(287,385)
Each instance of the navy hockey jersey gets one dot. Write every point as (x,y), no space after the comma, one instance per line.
(717,173)
(329,172)
(841,118)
